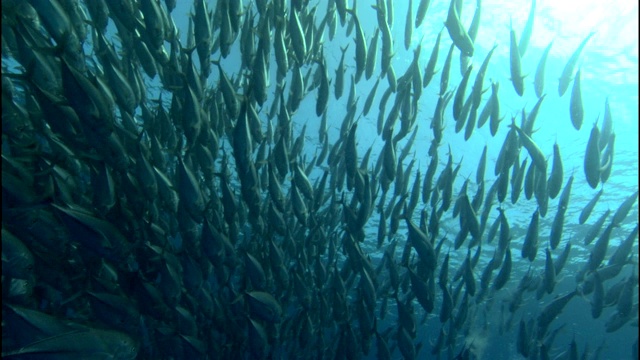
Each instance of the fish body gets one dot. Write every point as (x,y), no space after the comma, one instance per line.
(567,72)
(457,32)
(516,67)
(528,29)
(592,158)
(540,71)
(577,110)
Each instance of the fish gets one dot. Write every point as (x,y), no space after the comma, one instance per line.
(527,30)
(146,176)
(298,40)
(518,178)
(494,115)
(552,310)
(558,220)
(408,26)
(415,192)
(341,7)
(530,245)
(282,59)
(600,249)
(153,22)
(534,151)
(484,114)
(538,83)
(577,111)
(429,70)
(421,290)
(505,232)
(423,6)
(607,159)
(296,90)
(597,302)
(623,210)
(468,277)
(369,101)
(339,82)
(406,346)
(387,44)
(623,251)
(391,78)
(428,179)
(390,12)
(104,198)
(459,96)
(475,22)
(232,104)
(422,244)
(457,32)
(592,158)
(323,91)
(567,72)
(516,67)
(522,342)
(17,257)
(505,271)
(586,211)
(624,305)
(302,181)
(447,305)
(594,229)
(464,113)
(479,81)
(549,273)
(382,346)
(372,50)
(86,343)
(351,157)
(264,306)
(389,163)
(361,47)
(444,77)
(469,218)
(561,260)
(528,126)
(351,101)
(557,173)
(482,163)
(612,295)
(606,129)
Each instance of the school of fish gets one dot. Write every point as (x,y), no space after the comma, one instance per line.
(157,205)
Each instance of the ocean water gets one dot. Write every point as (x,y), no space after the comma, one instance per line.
(609,70)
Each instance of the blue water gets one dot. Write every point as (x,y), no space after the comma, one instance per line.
(609,68)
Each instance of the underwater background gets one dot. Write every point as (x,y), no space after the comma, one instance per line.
(209,271)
